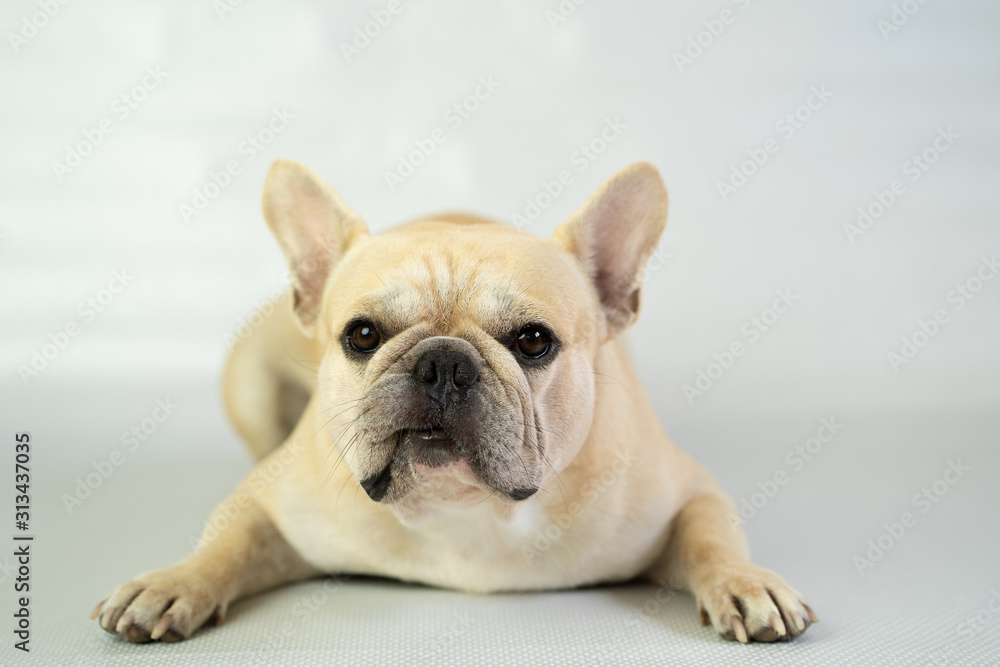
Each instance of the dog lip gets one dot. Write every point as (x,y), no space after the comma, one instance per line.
(431,447)
(430,434)
(460,469)
(522,494)
(377,485)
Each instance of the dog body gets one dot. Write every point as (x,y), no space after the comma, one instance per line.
(449,403)
(604,518)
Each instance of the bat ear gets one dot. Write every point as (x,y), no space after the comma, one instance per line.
(314,230)
(613,235)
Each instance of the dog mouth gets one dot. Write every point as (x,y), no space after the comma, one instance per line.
(430,448)
(434,456)
(435,460)
(424,454)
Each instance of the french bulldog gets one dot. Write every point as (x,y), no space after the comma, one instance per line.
(472,391)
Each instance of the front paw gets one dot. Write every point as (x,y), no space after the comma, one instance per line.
(745,602)
(166,605)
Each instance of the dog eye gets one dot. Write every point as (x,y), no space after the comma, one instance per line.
(532,342)
(364,337)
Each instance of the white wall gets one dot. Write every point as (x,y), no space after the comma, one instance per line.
(61,240)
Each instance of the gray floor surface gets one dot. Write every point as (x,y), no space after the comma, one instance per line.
(926,601)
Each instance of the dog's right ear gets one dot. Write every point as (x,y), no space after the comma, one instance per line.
(613,235)
(313,228)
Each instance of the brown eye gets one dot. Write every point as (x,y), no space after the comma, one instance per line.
(533,342)
(364,337)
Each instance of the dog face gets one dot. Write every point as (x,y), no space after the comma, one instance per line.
(466,350)
(459,353)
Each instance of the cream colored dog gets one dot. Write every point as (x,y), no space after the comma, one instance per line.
(471,394)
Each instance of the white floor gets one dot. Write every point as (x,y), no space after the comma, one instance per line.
(912,607)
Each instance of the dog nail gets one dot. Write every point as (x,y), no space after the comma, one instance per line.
(812,616)
(741,632)
(125,621)
(775,622)
(161,627)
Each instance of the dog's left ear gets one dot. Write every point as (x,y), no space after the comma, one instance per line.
(614,234)
(313,228)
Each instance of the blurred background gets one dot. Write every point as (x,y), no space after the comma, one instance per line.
(832,170)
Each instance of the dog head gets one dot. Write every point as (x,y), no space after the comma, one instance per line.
(458,353)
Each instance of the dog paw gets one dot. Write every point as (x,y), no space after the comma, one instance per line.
(747,603)
(165,605)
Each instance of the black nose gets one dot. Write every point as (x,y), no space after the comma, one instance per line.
(445,373)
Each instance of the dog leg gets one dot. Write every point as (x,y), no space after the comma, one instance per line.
(246,557)
(709,557)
